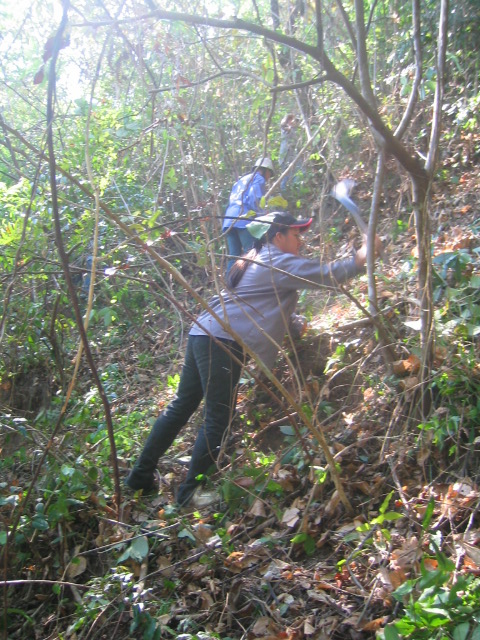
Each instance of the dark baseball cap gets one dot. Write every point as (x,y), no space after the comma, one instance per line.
(288,220)
(270,223)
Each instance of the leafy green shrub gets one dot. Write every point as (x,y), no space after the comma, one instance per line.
(256,481)
(437,605)
(457,416)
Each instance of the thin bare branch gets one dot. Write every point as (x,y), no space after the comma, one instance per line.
(417,47)
(362,55)
(300,85)
(348,24)
(439,88)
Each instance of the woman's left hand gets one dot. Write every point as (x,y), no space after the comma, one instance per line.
(361,255)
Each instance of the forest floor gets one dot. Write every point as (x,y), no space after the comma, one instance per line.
(280,555)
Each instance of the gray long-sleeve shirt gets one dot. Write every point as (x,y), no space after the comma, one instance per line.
(261,305)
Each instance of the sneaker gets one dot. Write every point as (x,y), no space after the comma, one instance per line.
(204,498)
(145,486)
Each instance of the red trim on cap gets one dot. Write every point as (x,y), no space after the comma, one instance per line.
(301,224)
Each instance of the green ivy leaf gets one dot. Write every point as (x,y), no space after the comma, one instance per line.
(39,523)
(66,471)
(390,516)
(404,589)
(299,538)
(287,430)
(461,631)
(139,548)
(386,502)
(184,533)
(428,514)
(309,546)
(391,633)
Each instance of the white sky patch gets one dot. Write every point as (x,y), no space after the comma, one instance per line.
(38,19)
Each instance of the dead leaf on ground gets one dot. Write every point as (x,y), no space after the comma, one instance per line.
(309,626)
(391,580)
(165,565)
(276,569)
(265,628)
(375,625)
(77,566)
(458,497)
(407,555)
(332,504)
(257,509)
(237,561)
(291,517)
(468,542)
(245,482)
(408,367)
(203,532)
(408,384)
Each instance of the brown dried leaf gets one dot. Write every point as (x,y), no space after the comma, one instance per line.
(410,366)
(165,565)
(238,561)
(407,384)
(265,628)
(76,567)
(308,627)
(376,624)
(275,570)
(258,509)
(203,532)
(332,504)
(205,601)
(392,579)
(291,517)
(459,496)
(245,482)
(407,555)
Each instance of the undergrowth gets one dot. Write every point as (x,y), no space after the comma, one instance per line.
(279,556)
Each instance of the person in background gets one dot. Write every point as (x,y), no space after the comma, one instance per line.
(244,199)
(254,310)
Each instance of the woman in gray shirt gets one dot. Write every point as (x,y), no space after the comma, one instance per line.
(256,309)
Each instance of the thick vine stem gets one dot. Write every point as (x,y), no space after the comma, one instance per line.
(63,255)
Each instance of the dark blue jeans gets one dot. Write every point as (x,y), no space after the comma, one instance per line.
(209,373)
(239,241)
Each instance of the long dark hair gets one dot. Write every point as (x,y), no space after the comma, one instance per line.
(240,266)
